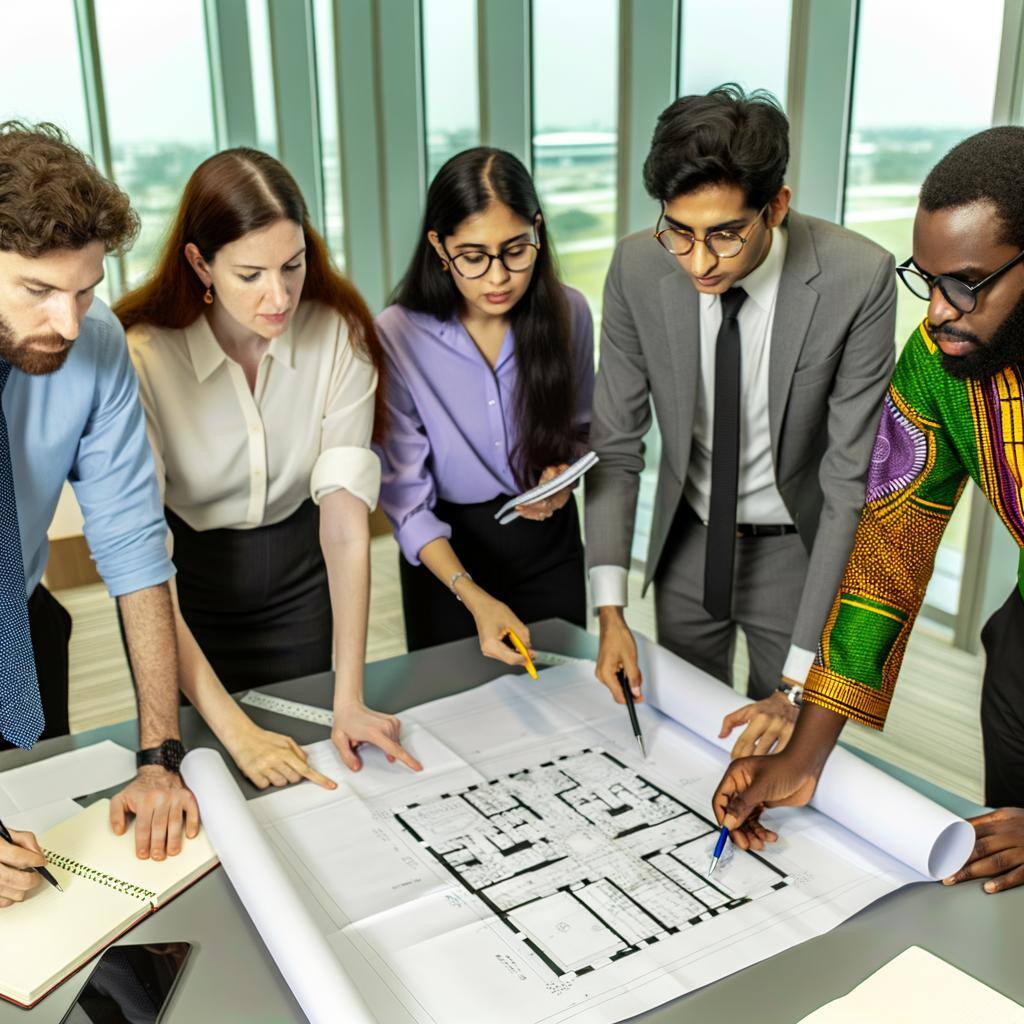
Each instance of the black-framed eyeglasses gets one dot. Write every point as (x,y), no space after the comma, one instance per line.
(962,296)
(516,259)
(723,244)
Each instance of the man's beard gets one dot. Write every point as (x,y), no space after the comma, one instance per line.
(1005,348)
(24,357)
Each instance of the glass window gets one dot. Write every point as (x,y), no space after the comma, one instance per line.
(743,41)
(258,18)
(159,109)
(575,117)
(47,89)
(450,79)
(904,118)
(330,147)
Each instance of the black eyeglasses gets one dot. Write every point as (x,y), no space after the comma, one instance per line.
(516,259)
(962,296)
(723,244)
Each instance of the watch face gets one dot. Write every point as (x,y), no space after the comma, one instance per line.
(172,753)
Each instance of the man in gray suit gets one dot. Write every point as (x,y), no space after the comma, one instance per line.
(765,340)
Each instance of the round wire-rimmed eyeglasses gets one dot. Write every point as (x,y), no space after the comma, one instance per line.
(723,244)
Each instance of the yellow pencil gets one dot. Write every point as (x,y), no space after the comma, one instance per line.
(521,648)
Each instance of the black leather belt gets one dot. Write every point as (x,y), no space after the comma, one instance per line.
(762,530)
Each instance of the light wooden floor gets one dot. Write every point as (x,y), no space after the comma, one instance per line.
(932,728)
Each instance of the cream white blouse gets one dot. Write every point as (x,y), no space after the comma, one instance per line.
(230,457)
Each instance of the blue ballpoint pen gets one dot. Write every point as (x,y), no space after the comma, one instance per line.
(719,847)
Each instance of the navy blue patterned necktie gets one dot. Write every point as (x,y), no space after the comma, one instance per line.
(21,710)
(725,462)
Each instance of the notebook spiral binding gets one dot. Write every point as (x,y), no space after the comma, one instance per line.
(93,875)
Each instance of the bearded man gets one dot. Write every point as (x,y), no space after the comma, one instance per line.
(69,411)
(954,411)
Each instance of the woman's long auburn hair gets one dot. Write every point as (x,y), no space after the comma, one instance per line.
(228,195)
(545,398)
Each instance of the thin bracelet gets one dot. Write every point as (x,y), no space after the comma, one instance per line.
(455,579)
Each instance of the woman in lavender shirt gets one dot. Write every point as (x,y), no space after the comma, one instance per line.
(490,376)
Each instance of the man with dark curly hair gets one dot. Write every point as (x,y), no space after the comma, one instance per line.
(954,412)
(69,410)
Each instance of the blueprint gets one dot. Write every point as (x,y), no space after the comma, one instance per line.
(583,859)
(538,870)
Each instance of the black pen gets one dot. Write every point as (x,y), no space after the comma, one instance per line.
(5,835)
(627,692)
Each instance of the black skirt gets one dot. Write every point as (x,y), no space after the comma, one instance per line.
(257,601)
(535,568)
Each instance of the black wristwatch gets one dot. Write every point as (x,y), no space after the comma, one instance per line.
(793,692)
(168,755)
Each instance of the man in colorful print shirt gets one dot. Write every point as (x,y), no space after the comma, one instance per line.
(954,411)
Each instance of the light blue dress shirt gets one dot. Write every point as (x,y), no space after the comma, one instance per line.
(84,424)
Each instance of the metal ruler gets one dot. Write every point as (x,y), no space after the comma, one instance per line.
(322,716)
(290,708)
(551,658)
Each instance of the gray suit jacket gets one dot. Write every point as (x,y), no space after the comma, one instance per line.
(832,353)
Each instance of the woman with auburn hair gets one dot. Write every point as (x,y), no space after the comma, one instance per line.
(258,366)
(489,387)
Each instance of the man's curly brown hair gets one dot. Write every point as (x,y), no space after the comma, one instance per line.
(53,197)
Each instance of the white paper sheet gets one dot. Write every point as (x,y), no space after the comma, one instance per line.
(566,478)
(75,773)
(538,870)
(297,946)
(919,988)
(39,819)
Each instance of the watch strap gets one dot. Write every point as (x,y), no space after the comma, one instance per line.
(168,755)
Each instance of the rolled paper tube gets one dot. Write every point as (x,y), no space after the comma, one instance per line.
(317,980)
(867,801)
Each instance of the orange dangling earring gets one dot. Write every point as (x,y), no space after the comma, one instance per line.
(444,266)
(208,295)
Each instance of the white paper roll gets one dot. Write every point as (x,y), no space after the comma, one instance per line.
(877,807)
(300,951)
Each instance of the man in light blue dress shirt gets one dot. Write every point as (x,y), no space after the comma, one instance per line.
(70,411)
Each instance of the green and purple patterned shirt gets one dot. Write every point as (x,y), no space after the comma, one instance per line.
(936,431)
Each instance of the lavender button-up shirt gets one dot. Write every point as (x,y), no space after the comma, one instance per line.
(451,423)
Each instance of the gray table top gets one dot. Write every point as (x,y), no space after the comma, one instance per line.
(231,977)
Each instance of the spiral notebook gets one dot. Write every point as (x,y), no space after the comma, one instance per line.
(107,890)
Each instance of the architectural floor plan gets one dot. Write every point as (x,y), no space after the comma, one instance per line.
(538,871)
(585,860)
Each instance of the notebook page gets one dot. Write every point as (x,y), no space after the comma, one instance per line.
(98,848)
(45,938)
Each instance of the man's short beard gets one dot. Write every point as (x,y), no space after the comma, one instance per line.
(1004,349)
(23,357)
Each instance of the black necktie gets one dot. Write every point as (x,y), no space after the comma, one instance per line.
(725,462)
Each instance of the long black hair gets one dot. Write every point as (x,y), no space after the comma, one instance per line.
(545,399)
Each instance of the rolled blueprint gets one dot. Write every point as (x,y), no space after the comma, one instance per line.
(297,945)
(877,807)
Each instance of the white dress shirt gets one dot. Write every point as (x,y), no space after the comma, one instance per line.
(758,499)
(230,457)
